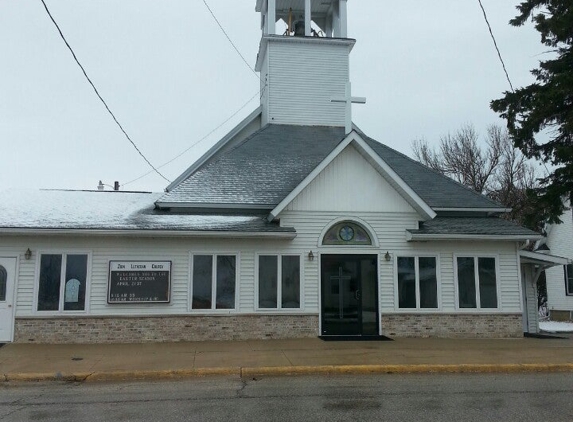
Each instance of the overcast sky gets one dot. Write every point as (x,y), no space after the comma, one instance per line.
(171,77)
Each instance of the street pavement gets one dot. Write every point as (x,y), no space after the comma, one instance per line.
(102,362)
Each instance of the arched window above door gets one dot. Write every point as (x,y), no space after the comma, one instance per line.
(347,233)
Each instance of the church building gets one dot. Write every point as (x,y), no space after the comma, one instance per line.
(295,224)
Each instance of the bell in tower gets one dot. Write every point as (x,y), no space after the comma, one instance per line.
(326,18)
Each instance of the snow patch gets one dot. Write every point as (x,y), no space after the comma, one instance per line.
(556,326)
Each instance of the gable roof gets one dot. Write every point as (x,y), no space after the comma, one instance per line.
(375,161)
(266,167)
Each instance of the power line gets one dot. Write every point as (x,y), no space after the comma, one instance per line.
(98,94)
(495,44)
(198,142)
(229,39)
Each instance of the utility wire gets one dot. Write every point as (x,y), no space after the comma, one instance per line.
(196,143)
(495,44)
(231,41)
(98,94)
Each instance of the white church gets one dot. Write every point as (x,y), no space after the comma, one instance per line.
(295,224)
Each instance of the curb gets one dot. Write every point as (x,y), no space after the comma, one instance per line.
(252,372)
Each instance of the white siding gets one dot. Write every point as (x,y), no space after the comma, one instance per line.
(530,294)
(302,78)
(389,228)
(350,183)
(104,249)
(560,241)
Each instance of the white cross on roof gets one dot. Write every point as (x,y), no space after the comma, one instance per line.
(348,99)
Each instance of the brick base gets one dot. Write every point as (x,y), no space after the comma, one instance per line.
(164,329)
(453,325)
(251,327)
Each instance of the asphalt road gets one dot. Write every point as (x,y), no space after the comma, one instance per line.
(432,397)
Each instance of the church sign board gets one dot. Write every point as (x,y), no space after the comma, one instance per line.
(139,282)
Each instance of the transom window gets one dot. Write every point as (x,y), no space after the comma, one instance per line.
(3,283)
(214,281)
(477,282)
(62,283)
(347,233)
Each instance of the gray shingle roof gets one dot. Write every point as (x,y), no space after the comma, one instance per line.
(89,210)
(485,226)
(268,165)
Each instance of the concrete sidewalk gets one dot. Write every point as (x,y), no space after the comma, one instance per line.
(98,362)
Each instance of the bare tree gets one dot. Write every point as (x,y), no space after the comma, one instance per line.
(496,169)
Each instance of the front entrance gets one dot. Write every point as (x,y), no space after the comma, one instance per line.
(7,278)
(349,295)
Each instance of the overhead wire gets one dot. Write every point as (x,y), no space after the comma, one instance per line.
(495,44)
(196,143)
(260,93)
(98,94)
(230,40)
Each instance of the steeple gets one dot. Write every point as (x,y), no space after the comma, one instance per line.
(304,63)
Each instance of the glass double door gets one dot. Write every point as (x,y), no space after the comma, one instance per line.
(349,295)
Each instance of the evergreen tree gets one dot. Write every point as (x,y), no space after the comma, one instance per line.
(546,106)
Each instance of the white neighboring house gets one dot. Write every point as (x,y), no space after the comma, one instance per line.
(560,279)
(295,224)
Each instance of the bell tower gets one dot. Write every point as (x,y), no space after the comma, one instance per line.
(303,62)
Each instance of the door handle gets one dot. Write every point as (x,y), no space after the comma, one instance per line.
(357,295)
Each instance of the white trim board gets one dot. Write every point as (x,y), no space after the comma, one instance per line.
(376,161)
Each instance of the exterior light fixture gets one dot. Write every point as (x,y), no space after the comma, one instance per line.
(387,256)
(28,254)
(310,256)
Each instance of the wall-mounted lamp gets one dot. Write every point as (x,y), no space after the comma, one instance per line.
(28,254)
(387,256)
(310,256)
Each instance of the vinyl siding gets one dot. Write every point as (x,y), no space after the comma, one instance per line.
(345,183)
(388,228)
(531,298)
(302,78)
(560,241)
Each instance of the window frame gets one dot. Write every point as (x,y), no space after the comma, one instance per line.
(375,245)
(416,257)
(478,307)
(279,307)
(214,309)
(61,304)
(566,278)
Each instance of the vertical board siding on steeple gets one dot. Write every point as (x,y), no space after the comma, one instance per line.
(302,80)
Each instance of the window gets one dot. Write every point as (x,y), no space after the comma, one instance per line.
(62,283)
(568,271)
(279,282)
(477,283)
(3,283)
(417,283)
(214,282)
(346,233)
